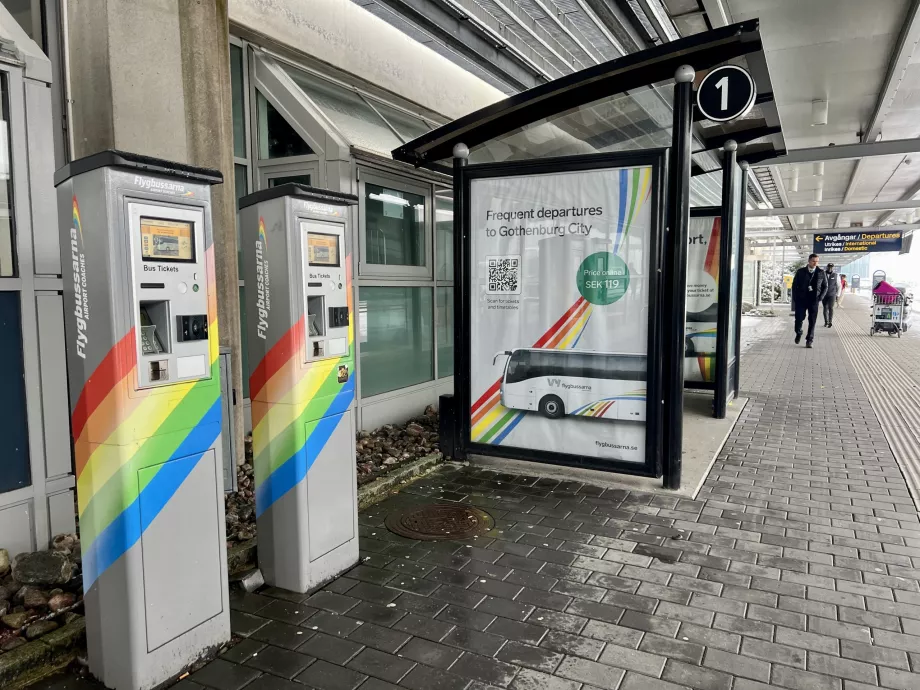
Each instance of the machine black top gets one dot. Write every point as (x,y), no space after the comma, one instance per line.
(301,191)
(135,161)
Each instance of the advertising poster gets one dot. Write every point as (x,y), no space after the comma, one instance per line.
(702,300)
(560,294)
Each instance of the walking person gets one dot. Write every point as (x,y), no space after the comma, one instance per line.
(830,297)
(843,289)
(808,288)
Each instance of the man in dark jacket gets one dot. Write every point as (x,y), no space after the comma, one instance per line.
(808,289)
(830,297)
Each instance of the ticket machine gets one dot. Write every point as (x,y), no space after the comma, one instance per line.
(300,333)
(142,353)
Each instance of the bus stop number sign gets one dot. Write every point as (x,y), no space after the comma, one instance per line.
(726,93)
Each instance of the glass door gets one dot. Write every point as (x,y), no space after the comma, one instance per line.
(300,173)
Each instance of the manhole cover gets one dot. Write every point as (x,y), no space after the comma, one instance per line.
(439,521)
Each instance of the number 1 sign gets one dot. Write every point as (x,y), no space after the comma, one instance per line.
(726,93)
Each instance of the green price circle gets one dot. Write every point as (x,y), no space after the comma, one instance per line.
(603,278)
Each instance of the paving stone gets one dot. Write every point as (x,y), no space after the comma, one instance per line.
(375,613)
(381,665)
(222,675)
(874,655)
(244,624)
(590,672)
(327,676)
(528,679)
(536,658)
(470,640)
(430,653)
(634,660)
(693,676)
(379,638)
(468,618)
(331,649)
(770,651)
(515,630)
(900,680)
(487,670)
(280,662)
(786,677)
(282,635)
(641,621)
(806,640)
(635,681)
(557,621)
(841,668)
(505,608)
(673,648)
(742,666)
(331,623)
(241,651)
(424,627)
(574,645)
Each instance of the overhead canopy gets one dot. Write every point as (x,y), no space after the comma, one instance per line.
(621,104)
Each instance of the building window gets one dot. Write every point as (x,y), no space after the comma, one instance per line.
(7,235)
(395,331)
(445,332)
(16,472)
(244,343)
(277,139)
(444,227)
(394,226)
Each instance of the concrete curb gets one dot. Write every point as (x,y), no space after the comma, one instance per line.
(377,490)
(242,557)
(42,657)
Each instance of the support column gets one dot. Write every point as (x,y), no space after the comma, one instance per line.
(675,286)
(163,91)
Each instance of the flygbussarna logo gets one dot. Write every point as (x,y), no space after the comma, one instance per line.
(78,270)
(263,282)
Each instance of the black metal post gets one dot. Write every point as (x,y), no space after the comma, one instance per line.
(729,161)
(739,250)
(675,283)
(461,402)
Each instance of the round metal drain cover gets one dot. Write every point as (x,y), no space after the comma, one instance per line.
(439,521)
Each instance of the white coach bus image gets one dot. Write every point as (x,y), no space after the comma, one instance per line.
(555,383)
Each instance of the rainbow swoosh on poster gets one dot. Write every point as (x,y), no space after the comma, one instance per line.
(119,431)
(635,187)
(599,408)
(308,396)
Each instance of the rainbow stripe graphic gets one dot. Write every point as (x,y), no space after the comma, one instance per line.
(77,223)
(707,365)
(126,439)
(491,422)
(599,408)
(711,265)
(295,408)
(635,187)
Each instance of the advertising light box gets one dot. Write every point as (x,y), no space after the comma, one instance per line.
(560,302)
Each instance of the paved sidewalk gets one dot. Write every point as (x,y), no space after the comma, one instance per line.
(797,567)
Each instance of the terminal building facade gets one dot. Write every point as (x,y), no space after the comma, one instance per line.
(268,92)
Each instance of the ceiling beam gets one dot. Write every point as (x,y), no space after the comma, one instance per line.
(742,136)
(897,65)
(842,152)
(468,40)
(601,26)
(569,31)
(530,25)
(718,13)
(661,24)
(836,208)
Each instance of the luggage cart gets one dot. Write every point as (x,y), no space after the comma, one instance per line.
(888,311)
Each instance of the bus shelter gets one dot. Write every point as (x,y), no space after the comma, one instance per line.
(572,216)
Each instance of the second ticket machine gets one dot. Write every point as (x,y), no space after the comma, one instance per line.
(300,332)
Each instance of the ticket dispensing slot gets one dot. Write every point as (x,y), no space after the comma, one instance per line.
(324,290)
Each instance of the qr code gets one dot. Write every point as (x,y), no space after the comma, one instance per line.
(504,274)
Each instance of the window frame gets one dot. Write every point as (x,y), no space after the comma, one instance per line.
(366,269)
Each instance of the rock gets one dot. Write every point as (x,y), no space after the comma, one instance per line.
(390,461)
(4,607)
(252,580)
(64,543)
(33,598)
(16,620)
(11,644)
(61,601)
(70,617)
(43,568)
(245,535)
(414,429)
(39,628)
(4,562)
